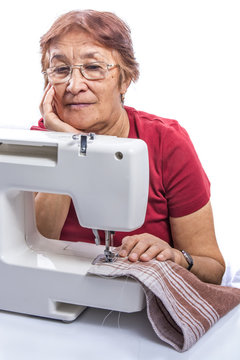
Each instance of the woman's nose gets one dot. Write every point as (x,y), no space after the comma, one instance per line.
(77,82)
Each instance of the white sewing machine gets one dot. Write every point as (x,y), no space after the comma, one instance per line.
(107,178)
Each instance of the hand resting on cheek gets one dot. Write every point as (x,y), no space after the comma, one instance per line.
(51,120)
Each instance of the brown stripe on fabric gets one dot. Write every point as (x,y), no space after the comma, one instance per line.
(180,307)
(213,315)
(180,313)
(171,298)
(221,298)
(170,331)
(190,298)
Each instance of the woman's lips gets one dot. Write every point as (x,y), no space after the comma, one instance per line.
(78,106)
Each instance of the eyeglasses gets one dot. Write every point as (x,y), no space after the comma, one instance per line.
(90,71)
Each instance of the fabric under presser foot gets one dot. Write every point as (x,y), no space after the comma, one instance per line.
(110,257)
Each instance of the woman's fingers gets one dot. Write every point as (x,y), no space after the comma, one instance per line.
(145,247)
(47,105)
(139,249)
(153,251)
(128,244)
(50,117)
(43,98)
(166,254)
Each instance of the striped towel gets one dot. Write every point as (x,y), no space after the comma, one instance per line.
(180,307)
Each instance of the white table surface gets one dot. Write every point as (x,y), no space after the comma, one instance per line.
(94,335)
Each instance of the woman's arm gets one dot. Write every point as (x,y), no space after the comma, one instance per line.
(52,209)
(51,212)
(193,233)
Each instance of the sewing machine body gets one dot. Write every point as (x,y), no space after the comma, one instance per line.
(108,182)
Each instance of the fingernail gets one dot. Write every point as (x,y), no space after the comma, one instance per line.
(123,253)
(133,257)
(144,257)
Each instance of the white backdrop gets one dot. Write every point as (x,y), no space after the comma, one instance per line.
(189,58)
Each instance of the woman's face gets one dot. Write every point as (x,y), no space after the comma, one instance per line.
(87,105)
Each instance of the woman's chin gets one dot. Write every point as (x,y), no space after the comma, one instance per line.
(79,125)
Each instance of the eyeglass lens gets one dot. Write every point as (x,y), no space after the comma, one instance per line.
(90,71)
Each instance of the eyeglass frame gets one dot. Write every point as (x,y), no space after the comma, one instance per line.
(80,67)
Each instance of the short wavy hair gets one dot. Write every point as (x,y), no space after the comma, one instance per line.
(105,27)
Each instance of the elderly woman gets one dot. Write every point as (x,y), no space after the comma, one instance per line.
(88,63)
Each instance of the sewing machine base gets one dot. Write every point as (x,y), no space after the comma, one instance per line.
(57,286)
(64,296)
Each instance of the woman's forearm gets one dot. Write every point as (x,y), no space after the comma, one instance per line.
(195,234)
(206,269)
(51,212)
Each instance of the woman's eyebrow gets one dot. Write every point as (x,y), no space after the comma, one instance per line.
(58,57)
(89,55)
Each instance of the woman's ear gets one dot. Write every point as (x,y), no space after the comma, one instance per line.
(124,81)
(124,84)
(123,89)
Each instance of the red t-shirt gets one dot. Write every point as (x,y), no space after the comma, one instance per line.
(178,184)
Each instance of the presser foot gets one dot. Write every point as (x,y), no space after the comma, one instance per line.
(110,256)
(107,257)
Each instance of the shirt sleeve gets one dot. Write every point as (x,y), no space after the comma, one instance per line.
(40,126)
(187,188)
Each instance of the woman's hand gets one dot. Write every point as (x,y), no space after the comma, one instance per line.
(50,117)
(145,247)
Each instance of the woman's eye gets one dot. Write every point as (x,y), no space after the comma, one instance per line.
(62,70)
(93,67)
